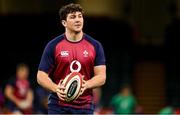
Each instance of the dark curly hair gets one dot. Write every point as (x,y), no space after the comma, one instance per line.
(70,8)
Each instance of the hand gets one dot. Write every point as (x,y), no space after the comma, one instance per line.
(84,86)
(60,91)
(24,104)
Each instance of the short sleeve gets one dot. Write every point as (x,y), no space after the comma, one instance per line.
(47,59)
(100,57)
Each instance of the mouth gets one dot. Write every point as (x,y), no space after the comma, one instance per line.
(78,26)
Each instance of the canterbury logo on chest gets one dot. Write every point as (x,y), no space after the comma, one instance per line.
(64,53)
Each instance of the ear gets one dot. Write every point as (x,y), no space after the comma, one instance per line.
(63,23)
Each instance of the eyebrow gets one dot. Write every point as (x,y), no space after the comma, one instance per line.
(73,13)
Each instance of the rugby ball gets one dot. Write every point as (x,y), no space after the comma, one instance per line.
(72,84)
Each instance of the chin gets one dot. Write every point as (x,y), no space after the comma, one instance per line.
(78,31)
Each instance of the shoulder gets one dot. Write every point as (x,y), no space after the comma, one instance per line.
(50,46)
(55,40)
(93,41)
(116,96)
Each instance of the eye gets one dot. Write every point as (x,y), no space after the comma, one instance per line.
(72,16)
(80,16)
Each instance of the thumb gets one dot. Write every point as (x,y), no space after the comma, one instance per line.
(83,77)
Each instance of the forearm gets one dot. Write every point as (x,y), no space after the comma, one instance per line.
(96,81)
(13,99)
(30,96)
(44,80)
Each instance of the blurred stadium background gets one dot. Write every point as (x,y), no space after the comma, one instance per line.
(138,36)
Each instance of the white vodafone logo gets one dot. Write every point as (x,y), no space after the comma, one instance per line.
(77,63)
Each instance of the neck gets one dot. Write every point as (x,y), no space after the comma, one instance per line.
(74,36)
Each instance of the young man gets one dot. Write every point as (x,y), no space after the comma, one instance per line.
(19,93)
(71,50)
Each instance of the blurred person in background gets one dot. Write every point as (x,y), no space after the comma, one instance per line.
(124,102)
(168,110)
(18,91)
(1,101)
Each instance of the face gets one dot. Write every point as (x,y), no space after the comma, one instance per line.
(74,22)
(125,91)
(22,73)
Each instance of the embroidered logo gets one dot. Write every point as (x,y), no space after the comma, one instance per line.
(85,53)
(64,53)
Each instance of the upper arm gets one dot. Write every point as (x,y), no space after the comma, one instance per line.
(100,70)
(9,86)
(100,67)
(47,60)
(100,57)
(41,75)
(8,90)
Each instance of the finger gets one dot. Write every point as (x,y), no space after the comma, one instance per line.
(62,88)
(61,81)
(58,90)
(83,77)
(81,92)
(61,98)
(62,92)
(61,95)
(83,84)
(83,80)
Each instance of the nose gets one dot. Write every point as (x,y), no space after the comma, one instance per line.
(77,19)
